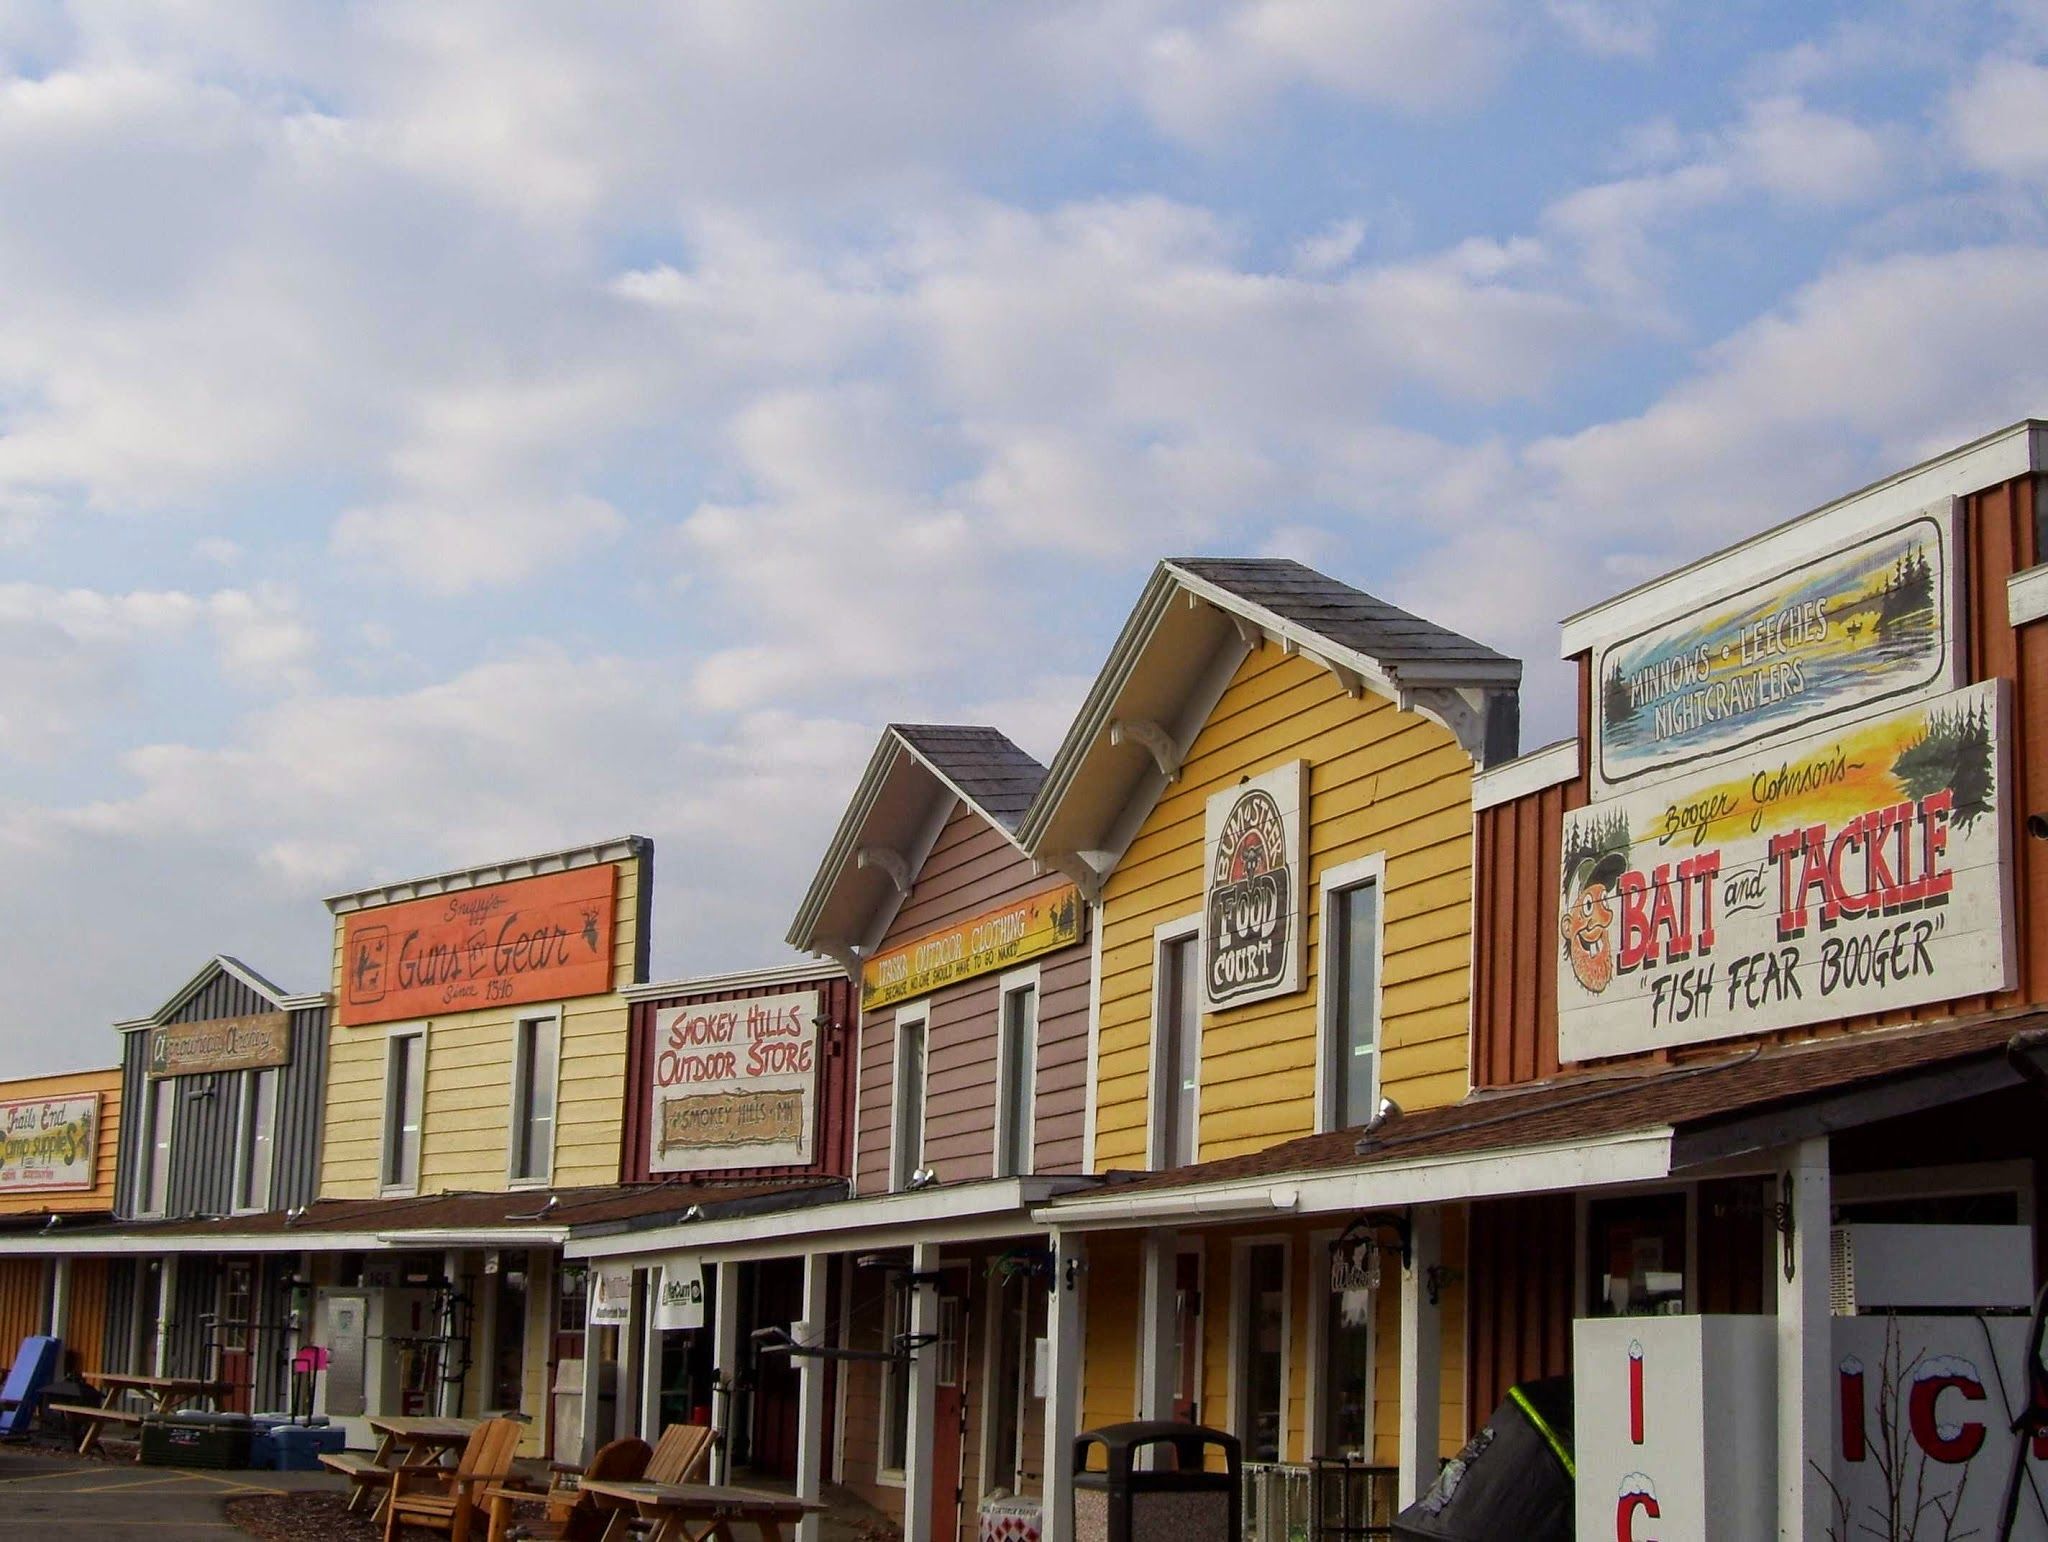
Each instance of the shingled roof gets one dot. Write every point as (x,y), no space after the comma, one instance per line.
(990,771)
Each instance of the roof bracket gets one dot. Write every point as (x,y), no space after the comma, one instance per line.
(1151,737)
(1350,680)
(889,862)
(1472,715)
(1249,632)
(1087,878)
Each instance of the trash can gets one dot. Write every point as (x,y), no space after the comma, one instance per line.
(1184,1501)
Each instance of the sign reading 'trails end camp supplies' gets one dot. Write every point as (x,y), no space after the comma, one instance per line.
(1840,873)
(1254,880)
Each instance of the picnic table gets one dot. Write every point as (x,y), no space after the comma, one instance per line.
(697,1512)
(166,1395)
(403,1440)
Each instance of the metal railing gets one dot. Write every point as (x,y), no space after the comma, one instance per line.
(1331,1500)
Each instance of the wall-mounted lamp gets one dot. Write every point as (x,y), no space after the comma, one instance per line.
(2037,826)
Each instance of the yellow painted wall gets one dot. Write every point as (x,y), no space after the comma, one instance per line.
(1380,781)
(467,1116)
(72,1084)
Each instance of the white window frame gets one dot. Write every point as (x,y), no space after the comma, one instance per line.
(920,1013)
(1335,880)
(1009,985)
(1176,930)
(148,1198)
(893,1372)
(394,1132)
(551,1018)
(245,1139)
(1316,1404)
(1240,1292)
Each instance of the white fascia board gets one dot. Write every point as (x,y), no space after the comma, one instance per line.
(1999,457)
(802,934)
(477,1237)
(1517,778)
(798,973)
(56,1244)
(952,786)
(616,849)
(2026,595)
(1639,1157)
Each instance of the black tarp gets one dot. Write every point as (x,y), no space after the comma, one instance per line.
(1513,1479)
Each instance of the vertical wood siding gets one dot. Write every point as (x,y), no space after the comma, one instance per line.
(85,1330)
(1380,781)
(24,1301)
(1520,1281)
(973,867)
(99,1199)
(832,1132)
(1514,1029)
(117,1336)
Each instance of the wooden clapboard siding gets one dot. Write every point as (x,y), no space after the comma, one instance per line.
(974,867)
(85,1327)
(1380,781)
(466,1121)
(1110,1331)
(106,1084)
(24,1301)
(1514,1020)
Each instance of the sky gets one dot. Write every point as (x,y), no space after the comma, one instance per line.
(436,434)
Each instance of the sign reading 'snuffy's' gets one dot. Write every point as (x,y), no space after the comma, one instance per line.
(547,938)
(1254,885)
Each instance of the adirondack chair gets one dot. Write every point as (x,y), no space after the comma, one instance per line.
(34,1364)
(573,1515)
(451,1499)
(681,1455)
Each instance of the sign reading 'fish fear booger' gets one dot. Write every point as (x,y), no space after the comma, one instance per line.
(1843,872)
(1254,886)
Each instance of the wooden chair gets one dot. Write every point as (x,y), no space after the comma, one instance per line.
(449,1499)
(572,1515)
(681,1455)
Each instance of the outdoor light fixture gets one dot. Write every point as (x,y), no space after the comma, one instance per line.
(1388,1109)
(2037,826)
(923,1178)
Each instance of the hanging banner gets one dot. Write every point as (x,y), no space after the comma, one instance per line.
(252,1043)
(994,940)
(611,1294)
(679,1293)
(734,1083)
(1849,871)
(505,944)
(49,1144)
(1255,889)
(1867,623)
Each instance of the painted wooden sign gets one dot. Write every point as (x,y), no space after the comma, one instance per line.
(1865,624)
(1848,871)
(611,1294)
(49,1144)
(995,939)
(679,1293)
(735,1083)
(533,939)
(255,1042)
(1254,893)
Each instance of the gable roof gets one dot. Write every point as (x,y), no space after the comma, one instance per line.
(223,964)
(915,776)
(1196,621)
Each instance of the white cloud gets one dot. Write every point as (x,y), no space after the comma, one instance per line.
(443,550)
(1622,29)
(1999,119)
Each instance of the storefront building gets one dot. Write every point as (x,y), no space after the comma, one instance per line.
(1268,793)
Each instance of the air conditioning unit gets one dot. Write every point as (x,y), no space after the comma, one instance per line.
(1886,1268)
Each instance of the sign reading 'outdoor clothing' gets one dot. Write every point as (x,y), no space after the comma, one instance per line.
(252,1043)
(533,939)
(1847,871)
(679,1293)
(1868,623)
(996,939)
(1255,883)
(734,1083)
(48,1143)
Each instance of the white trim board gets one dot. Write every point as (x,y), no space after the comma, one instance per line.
(2026,595)
(1517,778)
(802,972)
(1334,881)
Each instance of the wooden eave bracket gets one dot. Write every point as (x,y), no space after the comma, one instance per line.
(1464,710)
(1072,864)
(884,860)
(1150,737)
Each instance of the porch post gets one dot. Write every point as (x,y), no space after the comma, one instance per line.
(1421,1358)
(1156,1327)
(725,1365)
(593,1379)
(648,1337)
(448,1395)
(814,1329)
(167,1291)
(1805,1340)
(60,1296)
(1063,1329)
(924,1387)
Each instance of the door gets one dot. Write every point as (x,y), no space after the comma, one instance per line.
(237,1335)
(778,1301)
(949,1418)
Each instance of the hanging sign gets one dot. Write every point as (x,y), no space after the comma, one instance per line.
(679,1293)
(255,1042)
(1255,888)
(995,939)
(1869,622)
(49,1144)
(734,1083)
(1852,870)
(611,1295)
(534,939)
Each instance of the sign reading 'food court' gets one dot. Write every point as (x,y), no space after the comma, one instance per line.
(48,1144)
(534,939)
(1252,910)
(996,939)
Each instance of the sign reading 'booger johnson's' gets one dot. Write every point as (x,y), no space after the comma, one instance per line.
(996,939)
(534,939)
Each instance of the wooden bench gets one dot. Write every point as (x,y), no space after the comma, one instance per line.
(95,1420)
(366,1474)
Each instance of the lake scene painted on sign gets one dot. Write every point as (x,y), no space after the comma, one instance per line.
(1865,625)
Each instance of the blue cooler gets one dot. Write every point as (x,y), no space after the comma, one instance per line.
(299,1447)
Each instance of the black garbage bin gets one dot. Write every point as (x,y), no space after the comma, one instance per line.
(1182,1501)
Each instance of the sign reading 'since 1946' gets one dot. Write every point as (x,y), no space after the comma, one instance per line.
(1840,873)
(534,939)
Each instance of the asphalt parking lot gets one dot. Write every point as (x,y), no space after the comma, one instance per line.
(48,1494)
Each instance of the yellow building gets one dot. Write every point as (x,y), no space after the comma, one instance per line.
(1268,795)
(58,1138)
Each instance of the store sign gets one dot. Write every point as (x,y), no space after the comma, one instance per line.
(679,1293)
(1867,623)
(49,1144)
(611,1294)
(995,939)
(251,1043)
(1254,907)
(533,939)
(735,1083)
(1852,870)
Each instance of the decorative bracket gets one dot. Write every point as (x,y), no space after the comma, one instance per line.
(1783,1224)
(1152,738)
(1395,1221)
(887,861)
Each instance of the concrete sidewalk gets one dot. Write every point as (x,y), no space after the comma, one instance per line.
(53,1494)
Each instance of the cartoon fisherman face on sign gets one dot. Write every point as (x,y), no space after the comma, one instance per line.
(1595,857)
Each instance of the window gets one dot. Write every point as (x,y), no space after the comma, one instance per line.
(1349,990)
(255,1125)
(1261,1390)
(906,1151)
(536,1055)
(1344,1359)
(1016,1073)
(896,1377)
(153,1177)
(404,1093)
(1177,1049)
(1635,1263)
